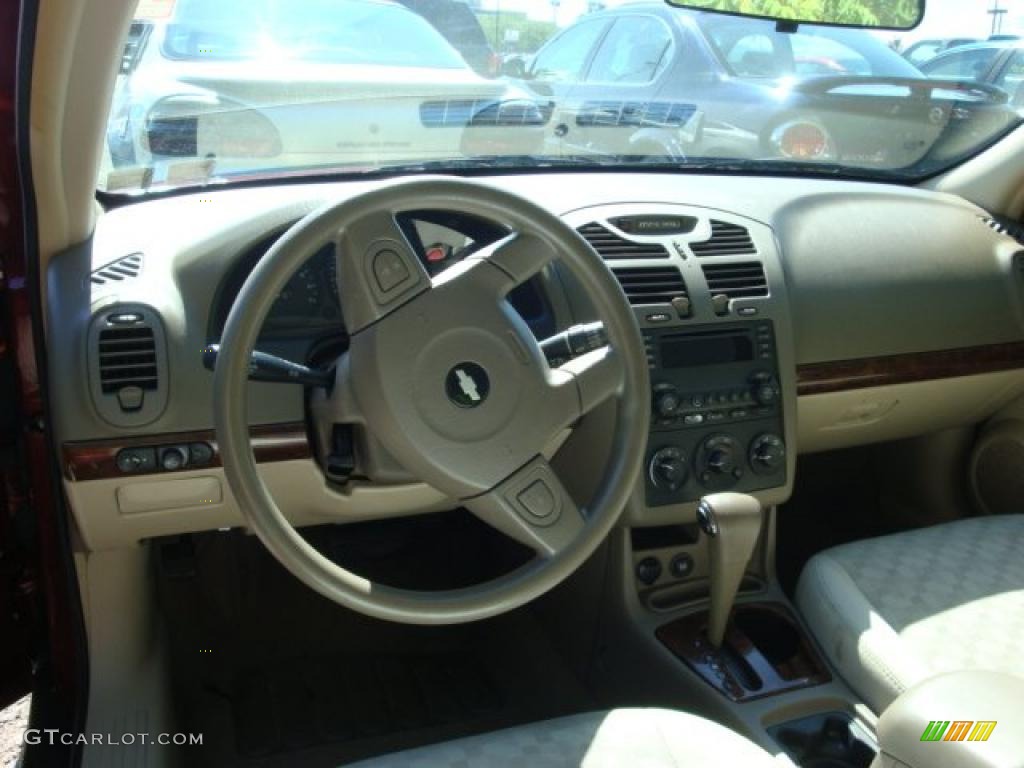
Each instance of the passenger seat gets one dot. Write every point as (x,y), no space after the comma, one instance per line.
(894,610)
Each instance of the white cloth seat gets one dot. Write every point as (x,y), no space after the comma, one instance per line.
(637,738)
(895,610)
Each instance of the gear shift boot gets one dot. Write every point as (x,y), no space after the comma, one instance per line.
(732,523)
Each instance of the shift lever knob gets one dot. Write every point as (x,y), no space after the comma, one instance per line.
(732,522)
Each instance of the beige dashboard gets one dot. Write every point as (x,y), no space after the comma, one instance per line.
(898,312)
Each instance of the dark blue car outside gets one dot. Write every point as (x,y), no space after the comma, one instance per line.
(814,95)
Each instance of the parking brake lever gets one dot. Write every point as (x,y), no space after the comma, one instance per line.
(266,367)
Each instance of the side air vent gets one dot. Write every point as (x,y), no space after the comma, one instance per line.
(610,246)
(124,268)
(651,285)
(128,364)
(739,280)
(726,240)
(127,359)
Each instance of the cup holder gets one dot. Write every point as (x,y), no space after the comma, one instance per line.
(830,740)
(773,634)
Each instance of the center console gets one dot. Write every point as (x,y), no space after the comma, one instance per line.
(716,421)
(696,564)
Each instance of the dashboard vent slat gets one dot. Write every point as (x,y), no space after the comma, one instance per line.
(610,246)
(125,268)
(650,285)
(726,240)
(1006,227)
(740,280)
(127,357)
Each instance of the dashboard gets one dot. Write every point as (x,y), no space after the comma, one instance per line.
(876,312)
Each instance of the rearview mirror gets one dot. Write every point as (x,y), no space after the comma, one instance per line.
(867,14)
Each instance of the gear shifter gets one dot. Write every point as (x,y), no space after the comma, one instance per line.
(732,522)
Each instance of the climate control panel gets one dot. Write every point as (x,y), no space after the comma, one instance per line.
(716,421)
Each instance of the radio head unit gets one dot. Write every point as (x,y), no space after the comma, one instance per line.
(716,411)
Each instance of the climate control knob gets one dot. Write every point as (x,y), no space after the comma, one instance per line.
(668,469)
(767,454)
(718,462)
(667,402)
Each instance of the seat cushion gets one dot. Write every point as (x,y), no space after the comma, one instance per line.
(895,610)
(638,738)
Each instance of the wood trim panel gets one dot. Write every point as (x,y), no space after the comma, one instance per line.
(842,375)
(741,670)
(97,459)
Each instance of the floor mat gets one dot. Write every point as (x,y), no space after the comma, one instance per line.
(274,675)
(303,703)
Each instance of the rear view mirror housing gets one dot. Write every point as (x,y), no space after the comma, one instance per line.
(862,14)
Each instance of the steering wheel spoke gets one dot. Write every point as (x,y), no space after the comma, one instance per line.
(519,256)
(533,507)
(378,270)
(598,374)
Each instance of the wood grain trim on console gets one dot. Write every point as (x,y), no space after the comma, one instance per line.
(841,375)
(97,459)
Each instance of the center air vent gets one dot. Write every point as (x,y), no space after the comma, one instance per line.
(738,280)
(128,365)
(610,246)
(726,240)
(650,285)
(124,268)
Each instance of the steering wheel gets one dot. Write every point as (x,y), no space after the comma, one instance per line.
(451,381)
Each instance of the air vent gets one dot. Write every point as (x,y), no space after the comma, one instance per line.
(1005,227)
(128,364)
(127,358)
(610,246)
(650,285)
(726,240)
(124,268)
(739,280)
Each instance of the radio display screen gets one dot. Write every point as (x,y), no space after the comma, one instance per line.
(697,350)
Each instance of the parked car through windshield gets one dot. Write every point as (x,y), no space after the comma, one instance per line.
(321,85)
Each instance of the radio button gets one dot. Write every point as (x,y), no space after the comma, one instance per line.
(747,311)
(739,413)
(713,416)
(666,403)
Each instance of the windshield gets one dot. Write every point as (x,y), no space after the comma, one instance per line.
(215,91)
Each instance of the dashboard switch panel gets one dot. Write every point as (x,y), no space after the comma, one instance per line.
(164,458)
